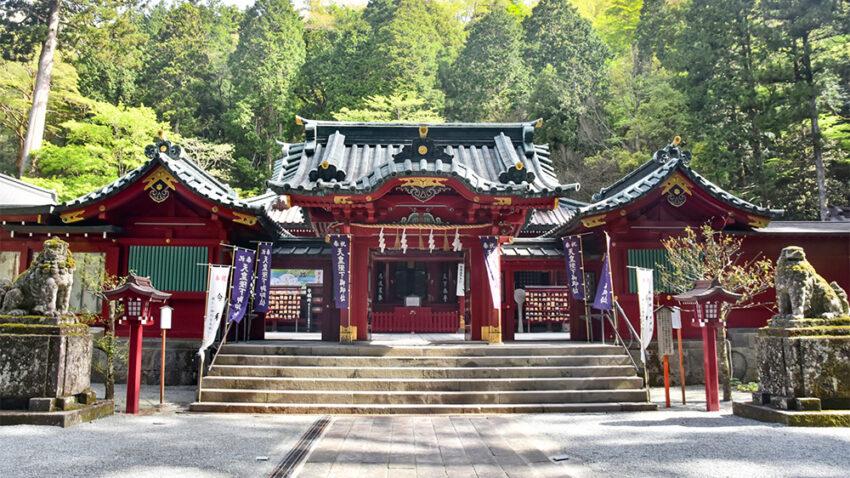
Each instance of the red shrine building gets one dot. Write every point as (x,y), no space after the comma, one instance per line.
(415,201)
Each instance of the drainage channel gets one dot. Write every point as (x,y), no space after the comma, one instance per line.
(293,460)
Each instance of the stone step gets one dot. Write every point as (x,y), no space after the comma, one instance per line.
(465,350)
(423,398)
(423,372)
(423,385)
(380,409)
(435,361)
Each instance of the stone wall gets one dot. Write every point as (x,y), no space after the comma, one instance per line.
(181,363)
(744,361)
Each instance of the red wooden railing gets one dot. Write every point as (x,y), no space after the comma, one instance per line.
(415,319)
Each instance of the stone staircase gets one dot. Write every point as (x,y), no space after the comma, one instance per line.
(435,379)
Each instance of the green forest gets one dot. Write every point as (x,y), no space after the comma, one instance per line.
(758,90)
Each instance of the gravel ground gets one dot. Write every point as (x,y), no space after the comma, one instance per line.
(686,441)
(681,441)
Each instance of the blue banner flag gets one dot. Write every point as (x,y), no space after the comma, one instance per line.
(264,270)
(340,257)
(240,285)
(575,274)
(604,291)
(493,263)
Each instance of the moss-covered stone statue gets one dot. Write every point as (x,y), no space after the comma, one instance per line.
(803,293)
(804,352)
(45,288)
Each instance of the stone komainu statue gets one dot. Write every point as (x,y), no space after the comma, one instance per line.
(44,288)
(803,293)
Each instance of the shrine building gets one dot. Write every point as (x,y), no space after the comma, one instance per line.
(415,201)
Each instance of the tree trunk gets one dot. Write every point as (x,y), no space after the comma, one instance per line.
(725,366)
(817,146)
(110,359)
(38,113)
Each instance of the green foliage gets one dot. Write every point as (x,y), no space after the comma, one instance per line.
(265,64)
(488,79)
(95,150)
(396,108)
(567,60)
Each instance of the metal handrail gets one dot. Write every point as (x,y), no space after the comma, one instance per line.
(633,333)
(628,354)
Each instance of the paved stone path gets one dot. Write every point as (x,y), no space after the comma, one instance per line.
(399,447)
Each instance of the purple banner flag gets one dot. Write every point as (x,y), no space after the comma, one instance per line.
(264,270)
(604,293)
(240,285)
(575,274)
(493,262)
(341,259)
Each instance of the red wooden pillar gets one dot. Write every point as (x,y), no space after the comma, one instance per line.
(359,286)
(134,367)
(509,307)
(709,363)
(478,290)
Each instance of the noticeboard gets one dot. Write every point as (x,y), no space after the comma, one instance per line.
(664,328)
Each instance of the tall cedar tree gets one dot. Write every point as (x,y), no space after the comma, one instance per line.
(567,60)
(488,78)
(264,66)
(721,86)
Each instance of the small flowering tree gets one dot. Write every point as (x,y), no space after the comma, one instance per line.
(707,254)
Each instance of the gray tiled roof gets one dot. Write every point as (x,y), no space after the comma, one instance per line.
(542,220)
(535,247)
(16,193)
(359,157)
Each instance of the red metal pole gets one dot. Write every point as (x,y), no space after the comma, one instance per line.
(134,367)
(667,380)
(709,357)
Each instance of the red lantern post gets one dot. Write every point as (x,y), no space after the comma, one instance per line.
(707,297)
(135,295)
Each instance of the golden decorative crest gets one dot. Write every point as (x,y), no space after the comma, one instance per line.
(423,132)
(758,221)
(73,216)
(677,181)
(423,182)
(158,183)
(503,201)
(423,150)
(242,218)
(342,200)
(593,221)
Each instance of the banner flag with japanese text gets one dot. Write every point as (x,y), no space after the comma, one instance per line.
(575,276)
(240,285)
(493,263)
(341,258)
(644,292)
(216,298)
(264,269)
(604,294)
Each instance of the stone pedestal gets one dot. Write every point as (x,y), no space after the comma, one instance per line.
(44,365)
(804,364)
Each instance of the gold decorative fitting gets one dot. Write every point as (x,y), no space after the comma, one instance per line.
(101,208)
(168,241)
(476,198)
(325,165)
(214,209)
(347,334)
(342,200)
(246,219)
(423,132)
(503,201)
(519,166)
(757,221)
(423,182)
(368,198)
(158,183)
(622,212)
(677,181)
(423,150)
(299,120)
(593,221)
(73,216)
(538,123)
(557,204)
(676,140)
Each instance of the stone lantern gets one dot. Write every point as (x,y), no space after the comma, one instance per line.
(707,298)
(136,296)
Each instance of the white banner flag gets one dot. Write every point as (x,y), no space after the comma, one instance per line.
(460,291)
(645,292)
(216,299)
